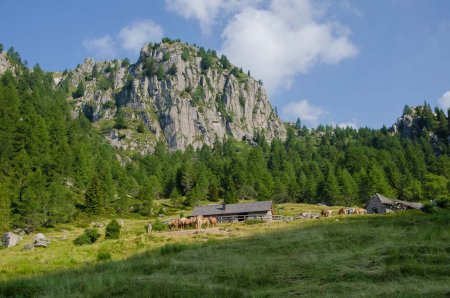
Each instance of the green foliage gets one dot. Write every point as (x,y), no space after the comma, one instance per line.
(93,197)
(103,255)
(104,83)
(166,56)
(160,74)
(120,120)
(149,67)
(185,54)
(80,90)
(13,56)
(1,47)
(172,70)
(199,96)
(88,237)
(125,62)
(225,62)
(141,127)
(159,226)
(112,230)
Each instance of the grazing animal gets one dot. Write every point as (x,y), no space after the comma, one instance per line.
(212,221)
(326,213)
(198,222)
(342,211)
(182,222)
(188,222)
(174,224)
(350,210)
(360,211)
(205,221)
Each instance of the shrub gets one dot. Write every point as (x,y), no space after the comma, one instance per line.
(80,91)
(185,54)
(429,208)
(166,56)
(443,202)
(112,230)
(159,226)
(103,255)
(89,236)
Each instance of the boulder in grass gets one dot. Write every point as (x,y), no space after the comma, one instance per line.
(40,240)
(10,239)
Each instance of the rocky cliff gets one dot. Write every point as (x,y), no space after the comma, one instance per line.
(176,93)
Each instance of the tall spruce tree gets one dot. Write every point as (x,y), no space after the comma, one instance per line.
(93,197)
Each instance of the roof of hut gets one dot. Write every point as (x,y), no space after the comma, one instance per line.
(387,201)
(222,209)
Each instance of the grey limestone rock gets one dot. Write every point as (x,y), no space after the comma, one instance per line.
(10,239)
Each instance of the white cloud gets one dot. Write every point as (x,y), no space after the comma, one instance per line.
(284,39)
(303,110)
(103,47)
(444,101)
(133,37)
(207,11)
(351,124)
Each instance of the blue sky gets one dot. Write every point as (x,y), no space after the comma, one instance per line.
(333,62)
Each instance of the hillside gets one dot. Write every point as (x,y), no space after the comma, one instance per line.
(404,255)
(176,93)
(54,158)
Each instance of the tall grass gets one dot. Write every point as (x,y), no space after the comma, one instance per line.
(361,256)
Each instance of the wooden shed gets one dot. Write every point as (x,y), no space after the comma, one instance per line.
(379,204)
(237,212)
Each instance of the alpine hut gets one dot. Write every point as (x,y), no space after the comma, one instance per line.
(237,212)
(379,204)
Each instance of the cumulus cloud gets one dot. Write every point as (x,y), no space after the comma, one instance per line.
(444,101)
(286,38)
(134,36)
(103,47)
(303,110)
(207,11)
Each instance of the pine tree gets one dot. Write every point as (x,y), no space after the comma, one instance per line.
(93,197)
(80,90)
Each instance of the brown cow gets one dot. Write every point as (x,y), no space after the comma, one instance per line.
(174,224)
(342,211)
(360,211)
(212,221)
(183,222)
(326,213)
(205,221)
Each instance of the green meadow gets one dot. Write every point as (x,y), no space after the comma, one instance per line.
(402,255)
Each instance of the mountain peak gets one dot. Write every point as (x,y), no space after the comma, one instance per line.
(176,93)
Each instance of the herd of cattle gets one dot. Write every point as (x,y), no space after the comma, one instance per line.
(343,211)
(195,222)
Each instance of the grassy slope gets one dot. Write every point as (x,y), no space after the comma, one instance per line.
(395,256)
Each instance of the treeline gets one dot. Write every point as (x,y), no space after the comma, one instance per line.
(55,167)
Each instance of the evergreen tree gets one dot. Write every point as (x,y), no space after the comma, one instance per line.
(93,197)
(80,90)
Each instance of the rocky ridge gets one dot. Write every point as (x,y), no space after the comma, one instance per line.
(175,93)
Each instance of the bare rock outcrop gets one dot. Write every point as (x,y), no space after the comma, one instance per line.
(175,93)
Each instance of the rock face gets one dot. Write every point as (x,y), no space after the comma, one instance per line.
(10,239)
(175,93)
(4,63)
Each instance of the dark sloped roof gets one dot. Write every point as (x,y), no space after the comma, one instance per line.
(388,201)
(232,208)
